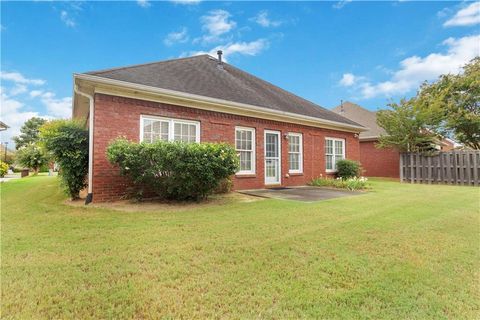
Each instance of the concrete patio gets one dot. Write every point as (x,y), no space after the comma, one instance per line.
(303,193)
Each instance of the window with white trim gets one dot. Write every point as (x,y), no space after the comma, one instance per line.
(295,153)
(245,146)
(167,129)
(334,151)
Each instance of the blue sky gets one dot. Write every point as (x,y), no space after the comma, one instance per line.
(365,52)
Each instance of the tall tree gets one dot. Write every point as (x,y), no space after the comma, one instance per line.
(407,127)
(453,101)
(29,132)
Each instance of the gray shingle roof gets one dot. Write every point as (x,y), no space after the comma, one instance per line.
(201,75)
(362,116)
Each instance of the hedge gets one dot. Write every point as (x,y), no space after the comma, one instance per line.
(67,143)
(174,170)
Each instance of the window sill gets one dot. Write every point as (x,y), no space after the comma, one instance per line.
(295,174)
(245,175)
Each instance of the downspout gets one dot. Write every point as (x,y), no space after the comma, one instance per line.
(90,143)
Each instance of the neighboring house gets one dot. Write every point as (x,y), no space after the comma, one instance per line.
(378,162)
(375,162)
(3,126)
(281,139)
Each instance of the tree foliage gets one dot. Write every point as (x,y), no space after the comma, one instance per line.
(408,128)
(3,169)
(454,102)
(174,170)
(29,132)
(67,142)
(31,156)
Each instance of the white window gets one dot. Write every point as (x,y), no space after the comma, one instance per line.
(295,153)
(156,128)
(245,146)
(334,151)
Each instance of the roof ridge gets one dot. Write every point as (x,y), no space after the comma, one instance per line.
(143,64)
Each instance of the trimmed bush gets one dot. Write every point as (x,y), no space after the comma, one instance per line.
(67,143)
(174,170)
(3,169)
(347,169)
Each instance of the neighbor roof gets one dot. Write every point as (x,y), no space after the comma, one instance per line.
(201,75)
(362,116)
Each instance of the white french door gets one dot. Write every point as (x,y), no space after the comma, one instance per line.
(272,157)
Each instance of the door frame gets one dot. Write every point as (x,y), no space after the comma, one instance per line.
(279,134)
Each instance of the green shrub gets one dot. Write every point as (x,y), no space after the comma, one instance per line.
(174,170)
(31,156)
(224,186)
(352,184)
(347,169)
(3,169)
(67,143)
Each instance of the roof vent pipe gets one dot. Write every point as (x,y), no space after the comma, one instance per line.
(342,111)
(219,53)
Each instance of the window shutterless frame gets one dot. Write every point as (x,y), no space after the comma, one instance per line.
(299,153)
(334,154)
(171,126)
(251,150)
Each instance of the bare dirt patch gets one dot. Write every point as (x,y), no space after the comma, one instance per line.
(162,205)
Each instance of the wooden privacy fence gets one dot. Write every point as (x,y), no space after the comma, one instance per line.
(451,167)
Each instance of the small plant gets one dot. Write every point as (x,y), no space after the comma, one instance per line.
(352,184)
(355,183)
(67,143)
(174,170)
(347,169)
(3,169)
(31,156)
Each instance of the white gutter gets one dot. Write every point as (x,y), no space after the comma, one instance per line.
(234,105)
(90,143)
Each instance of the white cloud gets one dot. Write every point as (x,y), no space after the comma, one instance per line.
(187,2)
(244,48)
(176,37)
(18,89)
(69,21)
(348,80)
(341,4)
(17,77)
(13,115)
(216,23)
(144,3)
(467,16)
(57,107)
(35,93)
(414,70)
(19,102)
(262,19)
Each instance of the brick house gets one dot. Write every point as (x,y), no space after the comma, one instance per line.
(377,162)
(281,139)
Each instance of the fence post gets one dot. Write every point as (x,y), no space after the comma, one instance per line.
(401,166)
(411,167)
(476,164)
(429,169)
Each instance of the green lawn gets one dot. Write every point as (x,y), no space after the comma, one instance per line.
(399,251)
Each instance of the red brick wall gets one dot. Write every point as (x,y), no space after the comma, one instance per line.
(117,116)
(379,162)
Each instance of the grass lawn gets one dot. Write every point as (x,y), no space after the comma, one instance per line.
(399,251)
